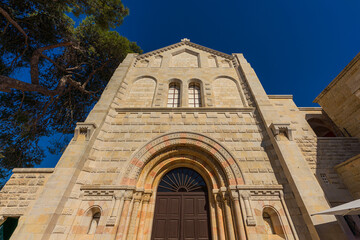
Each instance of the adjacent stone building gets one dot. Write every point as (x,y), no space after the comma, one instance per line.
(186,144)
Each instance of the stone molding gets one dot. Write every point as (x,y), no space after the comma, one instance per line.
(348,161)
(281,128)
(98,195)
(184,43)
(280,96)
(250,193)
(106,187)
(141,157)
(344,74)
(186,109)
(83,128)
(33,170)
(304,109)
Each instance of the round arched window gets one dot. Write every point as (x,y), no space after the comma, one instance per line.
(182,180)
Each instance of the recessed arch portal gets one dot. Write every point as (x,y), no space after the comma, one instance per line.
(218,155)
(207,157)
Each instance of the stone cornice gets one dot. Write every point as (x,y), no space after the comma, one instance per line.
(105,187)
(33,170)
(188,43)
(355,158)
(304,109)
(171,110)
(259,187)
(280,96)
(352,66)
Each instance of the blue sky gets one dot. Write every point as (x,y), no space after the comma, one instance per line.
(295,47)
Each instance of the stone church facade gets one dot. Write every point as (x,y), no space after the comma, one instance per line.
(185,144)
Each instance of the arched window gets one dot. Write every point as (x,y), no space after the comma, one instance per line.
(194,95)
(174,95)
(272,224)
(268,223)
(94,223)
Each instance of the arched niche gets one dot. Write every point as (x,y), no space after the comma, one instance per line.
(91,219)
(212,61)
(272,224)
(141,92)
(226,92)
(157,61)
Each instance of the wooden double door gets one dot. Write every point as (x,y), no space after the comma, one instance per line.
(181,215)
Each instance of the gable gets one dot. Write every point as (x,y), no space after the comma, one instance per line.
(184,58)
(184,54)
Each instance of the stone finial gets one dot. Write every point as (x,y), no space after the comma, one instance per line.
(185,40)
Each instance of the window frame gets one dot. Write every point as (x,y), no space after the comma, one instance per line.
(173,95)
(195,93)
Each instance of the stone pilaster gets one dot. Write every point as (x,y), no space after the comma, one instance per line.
(307,191)
(42,217)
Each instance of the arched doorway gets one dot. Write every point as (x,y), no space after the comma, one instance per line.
(182,206)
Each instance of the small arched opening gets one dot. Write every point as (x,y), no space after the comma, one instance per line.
(93,219)
(272,224)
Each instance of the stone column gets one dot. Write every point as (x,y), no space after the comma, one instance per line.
(228,214)
(214,224)
(219,214)
(143,220)
(121,231)
(132,232)
(240,228)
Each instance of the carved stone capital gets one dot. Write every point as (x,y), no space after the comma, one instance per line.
(138,195)
(245,195)
(128,195)
(234,195)
(218,196)
(146,197)
(119,194)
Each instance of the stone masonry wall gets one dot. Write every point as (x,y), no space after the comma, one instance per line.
(321,154)
(341,99)
(349,172)
(22,189)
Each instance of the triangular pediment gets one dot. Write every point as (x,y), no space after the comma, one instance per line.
(187,48)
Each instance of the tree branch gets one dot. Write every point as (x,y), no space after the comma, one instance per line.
(7,25)
(34,63)
(17,26)
(6,83)
(93,73)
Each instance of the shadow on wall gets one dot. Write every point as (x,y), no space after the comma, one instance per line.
(331,151)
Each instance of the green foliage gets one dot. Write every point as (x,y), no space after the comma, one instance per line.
(43,40)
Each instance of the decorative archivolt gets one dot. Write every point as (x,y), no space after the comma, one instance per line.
(215,150)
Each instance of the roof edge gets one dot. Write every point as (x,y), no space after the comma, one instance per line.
(185,42)
(348,67)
